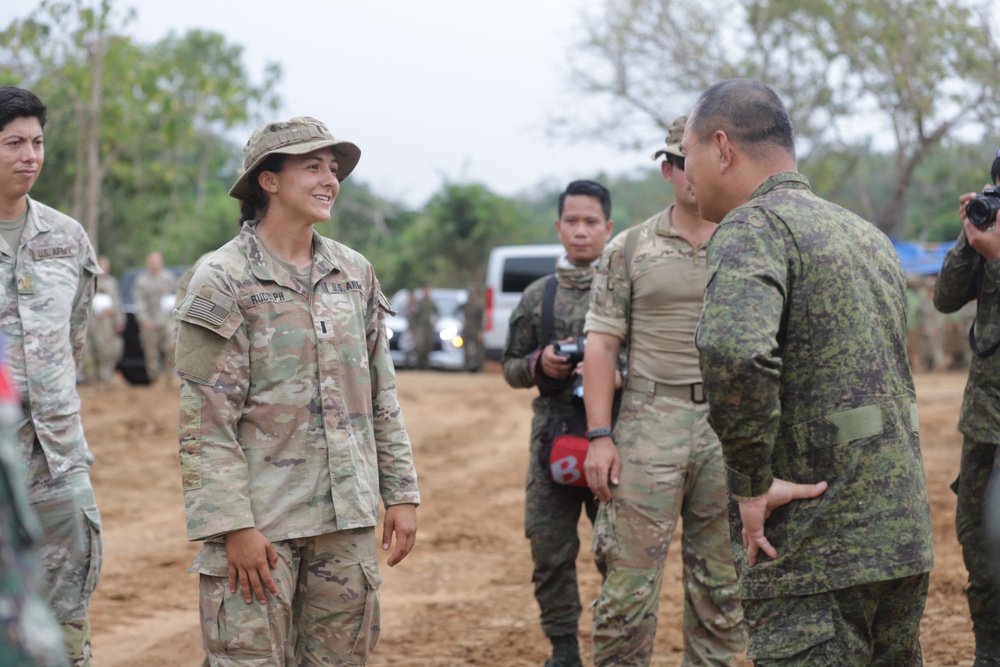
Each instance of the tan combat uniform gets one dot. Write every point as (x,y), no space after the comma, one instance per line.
(289,423)
(157,339)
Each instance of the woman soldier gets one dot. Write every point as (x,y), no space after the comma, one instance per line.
(290,429)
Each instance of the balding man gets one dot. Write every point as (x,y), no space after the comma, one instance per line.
(803,353)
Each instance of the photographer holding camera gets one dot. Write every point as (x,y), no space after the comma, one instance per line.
(971,271)
(544,350)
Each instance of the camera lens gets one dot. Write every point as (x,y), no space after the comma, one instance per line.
(982,210)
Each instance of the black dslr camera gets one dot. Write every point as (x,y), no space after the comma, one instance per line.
(983,209)
(573,350)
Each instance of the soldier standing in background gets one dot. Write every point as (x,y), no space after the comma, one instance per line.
(421,316)
(971,274)
(47,281)
(153,309)
(530,359)
(803,352)
(104,330)
(932,327)
(664,462)
(472,330)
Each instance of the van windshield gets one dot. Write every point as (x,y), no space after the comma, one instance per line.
(519,272)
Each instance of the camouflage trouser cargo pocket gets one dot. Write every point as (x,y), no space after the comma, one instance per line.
(235,633)
(782,628)
(369,622)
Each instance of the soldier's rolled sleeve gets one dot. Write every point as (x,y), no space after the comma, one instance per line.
(610,294)
(397,474)
(522,341)
(737,339)
(956,283)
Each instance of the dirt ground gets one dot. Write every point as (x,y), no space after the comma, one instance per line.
(463,596)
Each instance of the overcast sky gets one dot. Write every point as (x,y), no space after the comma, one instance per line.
(430,90)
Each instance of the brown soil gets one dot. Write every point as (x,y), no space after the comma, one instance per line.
(463,596)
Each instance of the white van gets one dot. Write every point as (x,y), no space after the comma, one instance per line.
(509,270)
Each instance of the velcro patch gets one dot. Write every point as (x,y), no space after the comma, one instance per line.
(53,251)
(204,309)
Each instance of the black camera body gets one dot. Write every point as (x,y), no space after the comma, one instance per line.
(573,350)
(983,209)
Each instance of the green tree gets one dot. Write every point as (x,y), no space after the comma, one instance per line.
(924,68)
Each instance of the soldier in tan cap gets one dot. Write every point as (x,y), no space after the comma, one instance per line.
(290,429)
(661,463)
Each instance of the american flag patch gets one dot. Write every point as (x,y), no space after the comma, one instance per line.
(204,309)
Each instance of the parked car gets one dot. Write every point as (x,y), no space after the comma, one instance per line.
(508,271)
(448,350)
(133,362)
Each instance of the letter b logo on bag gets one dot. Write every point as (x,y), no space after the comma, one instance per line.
(566,460)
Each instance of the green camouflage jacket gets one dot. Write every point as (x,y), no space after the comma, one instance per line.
(289,420)
(803,352)
(524,337)
(147,296)
(46,290)
(956,286)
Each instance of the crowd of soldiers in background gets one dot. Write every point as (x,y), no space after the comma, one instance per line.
(935,341)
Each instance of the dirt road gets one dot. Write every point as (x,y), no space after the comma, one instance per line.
(463,596)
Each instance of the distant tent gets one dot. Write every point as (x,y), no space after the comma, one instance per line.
(920,258)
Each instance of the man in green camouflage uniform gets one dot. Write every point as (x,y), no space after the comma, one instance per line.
(290,430)
(152,290)
(663,462)
(29,634)
(803,351)
(552,510)
(104,330)
(472,330)
(971,273)
(47,275)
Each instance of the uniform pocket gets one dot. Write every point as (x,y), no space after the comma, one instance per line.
(781,628)
(231,627)
(93,518)
(371,620)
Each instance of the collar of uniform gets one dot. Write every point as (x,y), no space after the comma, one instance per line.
(265,268)
(36,223)
(664,225)
(792,179)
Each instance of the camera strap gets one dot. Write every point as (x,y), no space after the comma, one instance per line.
(548,310)
(980,282)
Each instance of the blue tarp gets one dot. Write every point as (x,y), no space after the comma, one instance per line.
(922,258)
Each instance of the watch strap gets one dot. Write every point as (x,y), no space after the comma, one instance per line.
(602,432)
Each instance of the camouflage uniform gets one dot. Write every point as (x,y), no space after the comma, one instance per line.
(158,341)
(420,321)
(29,634)
(671,461)
(932,328)
(472,333)
(104,344)
(48,287)
(803,351)
(980,425)
(551,511)
(289,423)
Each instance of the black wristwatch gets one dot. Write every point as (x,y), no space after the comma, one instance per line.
(595,433)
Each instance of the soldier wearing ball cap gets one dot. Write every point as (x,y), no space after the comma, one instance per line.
(290,430)
(662,463)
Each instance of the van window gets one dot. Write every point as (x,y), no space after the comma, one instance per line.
(519,272)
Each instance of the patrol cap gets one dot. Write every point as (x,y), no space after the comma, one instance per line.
(675,133)
(297,136)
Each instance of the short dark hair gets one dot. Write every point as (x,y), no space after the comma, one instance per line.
(255,206)
(589,189)
(20,103)
(995,169)
(748,111)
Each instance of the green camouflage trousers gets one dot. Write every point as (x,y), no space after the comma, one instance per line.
(672,469)
(551,516)
(326,612)
(877,625)
(984,602)
(70,550)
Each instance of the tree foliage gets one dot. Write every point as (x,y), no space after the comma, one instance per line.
(923,69)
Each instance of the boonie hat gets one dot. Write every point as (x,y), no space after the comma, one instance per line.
(675,134)
(297,136)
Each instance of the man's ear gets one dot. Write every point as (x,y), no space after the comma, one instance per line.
(726,149)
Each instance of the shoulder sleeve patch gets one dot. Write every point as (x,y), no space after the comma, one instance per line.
(213,310)
(385,304)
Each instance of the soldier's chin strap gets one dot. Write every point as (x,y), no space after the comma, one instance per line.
(980,282)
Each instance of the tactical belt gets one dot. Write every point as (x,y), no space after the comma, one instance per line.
(686,392)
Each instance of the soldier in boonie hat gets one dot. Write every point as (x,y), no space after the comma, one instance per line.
(297,136)
(675,133)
